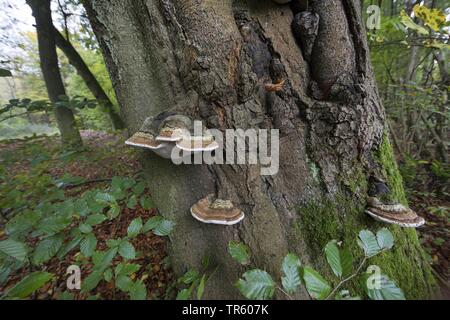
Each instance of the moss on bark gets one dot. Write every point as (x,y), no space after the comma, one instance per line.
(342,217)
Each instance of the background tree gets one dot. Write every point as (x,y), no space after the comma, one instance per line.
(50,70)
(213,58)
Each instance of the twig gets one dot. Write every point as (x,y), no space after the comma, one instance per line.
(287,294)
(85,182)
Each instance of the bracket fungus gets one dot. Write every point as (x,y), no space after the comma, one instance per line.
(173,128)
(197,143)
(393,213)
(216,211)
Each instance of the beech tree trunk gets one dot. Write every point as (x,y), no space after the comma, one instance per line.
(89,79)
(50,70)
(212,58)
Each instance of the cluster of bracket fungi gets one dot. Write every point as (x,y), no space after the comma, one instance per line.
(166,131)
(169,130)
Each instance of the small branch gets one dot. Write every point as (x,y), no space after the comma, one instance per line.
(67,186)
(285,293)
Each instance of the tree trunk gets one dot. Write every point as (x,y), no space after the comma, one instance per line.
(50,70)
(212,58)
(89,79)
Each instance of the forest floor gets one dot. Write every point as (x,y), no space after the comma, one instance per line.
(105,156)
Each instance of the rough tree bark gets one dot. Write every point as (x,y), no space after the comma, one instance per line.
(50,70)
(89,79)
(213,58)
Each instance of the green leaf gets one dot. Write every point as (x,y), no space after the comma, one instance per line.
(66,296)
(85,228)
(14,248)
(126,269)
(95,219)
(164,228)
(291,269)
(147,203)
(124,283)
(152,223)
(126,250)
(138,188)
(368,242)
(138,291)
(46,249)
(387,290)
(184,294)
(91,281)
(318,288)
(132,202)
(102,260)
(239,252)
(339,260)
(88,245)
(201,287)
(114,211)
(29,284)
(105,197)
(385,239)
(189,277)
(108,275)
(134,228)
(72,244)
(257,285)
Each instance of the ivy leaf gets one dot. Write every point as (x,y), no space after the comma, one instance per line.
(339,260)
(257,285)
(134,228)
(46,249)
(29,284)
(88,245)
(291,269)
(239,252)
(384,289)
(318,288)
(126,250)
(368,242)
(14,248)
(385,239)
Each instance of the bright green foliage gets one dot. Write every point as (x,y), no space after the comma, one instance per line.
(29,284)
(239,252)
(291,270)
(257,284)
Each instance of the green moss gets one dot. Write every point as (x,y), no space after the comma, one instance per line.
(385,157)
(342,218)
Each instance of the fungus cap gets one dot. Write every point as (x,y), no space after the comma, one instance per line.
(393,213)
(216,211)
(197,144)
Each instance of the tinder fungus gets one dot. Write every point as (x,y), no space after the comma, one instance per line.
(393,213)
(216,211)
